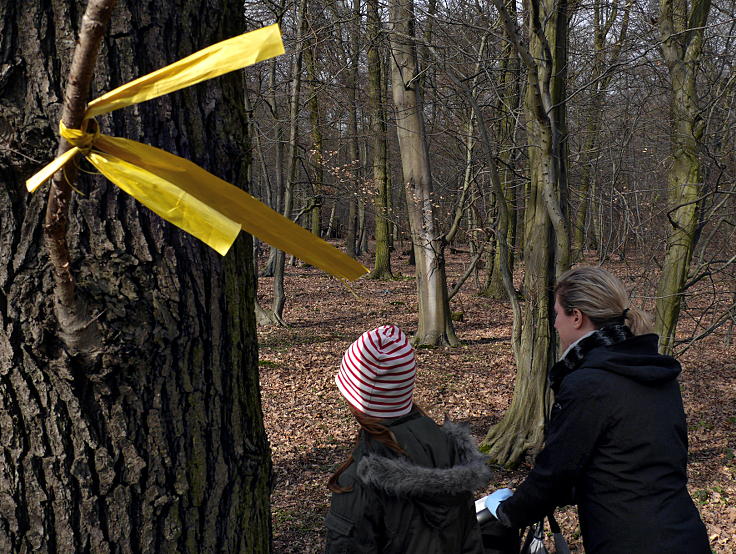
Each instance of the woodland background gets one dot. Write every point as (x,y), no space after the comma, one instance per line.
(311,431)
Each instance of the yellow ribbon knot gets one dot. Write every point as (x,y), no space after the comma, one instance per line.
(81,138)
(180,191)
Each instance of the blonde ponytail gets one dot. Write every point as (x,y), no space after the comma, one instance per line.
(602,297)
(639,321)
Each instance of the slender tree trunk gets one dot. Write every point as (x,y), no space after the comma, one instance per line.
(434,326)
(263,316)
(508,104)
(316,131)
(587,176)
(385,81)
(279,296)
(363,213)
(605,56)
(155,444)
(354,153)
(361,243)
(351,230)
(382,267)
(681,31)
(331,221)
(277,193)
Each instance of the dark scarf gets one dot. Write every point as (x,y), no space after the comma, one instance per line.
(605,336)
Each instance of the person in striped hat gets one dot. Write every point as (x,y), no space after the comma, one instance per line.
(408,485)
(377,373)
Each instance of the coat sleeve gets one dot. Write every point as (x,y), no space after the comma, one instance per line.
(353,523)
(579,419)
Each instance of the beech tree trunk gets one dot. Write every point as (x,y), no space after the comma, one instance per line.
(546,234)
(681,30)
(156,442)
(382,267)
(434,326)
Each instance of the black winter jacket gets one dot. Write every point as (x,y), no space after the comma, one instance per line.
(417,505)
(616,447)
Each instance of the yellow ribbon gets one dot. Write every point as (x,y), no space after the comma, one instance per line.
(180,191)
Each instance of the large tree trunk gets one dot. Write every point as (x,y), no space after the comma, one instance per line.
(155,443)
(523,424)
(681,30)
(546,235)
(434,326)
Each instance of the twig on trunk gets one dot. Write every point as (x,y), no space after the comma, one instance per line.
(77,328)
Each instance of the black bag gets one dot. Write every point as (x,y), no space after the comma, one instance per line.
(499,539)
(534,542)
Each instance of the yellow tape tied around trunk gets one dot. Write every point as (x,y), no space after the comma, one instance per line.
(180,191)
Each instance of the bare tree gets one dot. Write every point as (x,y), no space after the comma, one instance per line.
(382,267)
(434,326)
(546,237)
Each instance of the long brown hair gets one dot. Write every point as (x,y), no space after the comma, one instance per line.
(377,431)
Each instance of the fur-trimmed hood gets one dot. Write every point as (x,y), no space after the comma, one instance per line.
(399,476)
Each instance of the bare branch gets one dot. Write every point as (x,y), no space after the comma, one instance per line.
(78,329)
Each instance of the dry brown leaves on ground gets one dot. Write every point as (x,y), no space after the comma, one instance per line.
(311,431)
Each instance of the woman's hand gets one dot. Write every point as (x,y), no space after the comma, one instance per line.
(495,498)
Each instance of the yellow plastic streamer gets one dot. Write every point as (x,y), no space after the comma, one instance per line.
(180,191)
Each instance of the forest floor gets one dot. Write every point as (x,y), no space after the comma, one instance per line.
(311,431)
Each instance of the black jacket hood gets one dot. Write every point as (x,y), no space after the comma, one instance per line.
(637,359)
(617,350)
(616,445)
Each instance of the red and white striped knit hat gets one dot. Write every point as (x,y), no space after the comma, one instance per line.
(377,373)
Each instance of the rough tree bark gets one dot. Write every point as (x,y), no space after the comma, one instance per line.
(434,326)
(156,444)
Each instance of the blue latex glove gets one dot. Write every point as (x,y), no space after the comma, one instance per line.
(495,498)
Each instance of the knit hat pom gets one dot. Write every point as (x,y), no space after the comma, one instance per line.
(377,373)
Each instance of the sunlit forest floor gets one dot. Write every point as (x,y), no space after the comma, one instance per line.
(311,431)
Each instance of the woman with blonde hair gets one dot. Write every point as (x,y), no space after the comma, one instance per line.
(616,442)
(407,486)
